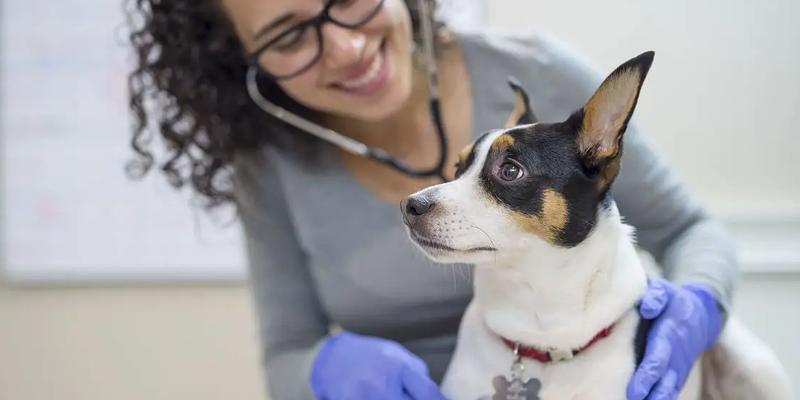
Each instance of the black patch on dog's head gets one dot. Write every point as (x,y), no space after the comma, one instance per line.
(555,177)
(554,198)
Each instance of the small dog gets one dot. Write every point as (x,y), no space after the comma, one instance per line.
(557,273)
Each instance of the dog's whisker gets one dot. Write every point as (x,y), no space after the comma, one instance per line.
(455,279)
(456,270)
(464,269)
(490,240)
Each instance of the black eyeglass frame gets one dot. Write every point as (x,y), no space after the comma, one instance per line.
(315,23)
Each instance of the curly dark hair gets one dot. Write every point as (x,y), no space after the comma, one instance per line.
(188,89)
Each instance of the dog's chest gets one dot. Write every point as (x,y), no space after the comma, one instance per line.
(599,372)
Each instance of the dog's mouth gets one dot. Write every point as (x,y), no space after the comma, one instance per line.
(441,247)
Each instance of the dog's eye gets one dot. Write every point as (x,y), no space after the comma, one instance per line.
(510,171)
(458,169)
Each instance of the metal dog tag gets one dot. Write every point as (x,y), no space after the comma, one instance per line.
(518,388)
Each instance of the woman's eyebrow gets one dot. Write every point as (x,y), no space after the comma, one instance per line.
(272,25)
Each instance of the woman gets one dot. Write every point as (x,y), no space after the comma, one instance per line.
(324,238)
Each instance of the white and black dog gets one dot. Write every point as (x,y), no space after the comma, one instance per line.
(557,273)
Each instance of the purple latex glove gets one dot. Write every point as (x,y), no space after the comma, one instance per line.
(687,322)
(355,367)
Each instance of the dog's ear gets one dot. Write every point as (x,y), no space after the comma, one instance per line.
(605,116)
(522,113)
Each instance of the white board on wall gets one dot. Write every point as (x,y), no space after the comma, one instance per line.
(69,213)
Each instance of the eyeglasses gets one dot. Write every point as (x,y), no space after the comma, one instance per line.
(298,48)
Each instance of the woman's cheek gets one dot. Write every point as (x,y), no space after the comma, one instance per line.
(304,88)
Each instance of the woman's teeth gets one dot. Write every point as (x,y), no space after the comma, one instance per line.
(372,73)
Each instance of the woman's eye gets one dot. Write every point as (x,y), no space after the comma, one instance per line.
(290,41)
(344,3)
(510,171)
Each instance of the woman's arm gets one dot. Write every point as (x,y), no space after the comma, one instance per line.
(302,360)
(292,324)
(689,245)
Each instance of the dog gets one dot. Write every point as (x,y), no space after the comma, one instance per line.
(557,274)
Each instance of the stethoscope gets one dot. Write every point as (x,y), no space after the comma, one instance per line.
(354,146)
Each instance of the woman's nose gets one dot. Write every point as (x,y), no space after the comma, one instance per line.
(342,46)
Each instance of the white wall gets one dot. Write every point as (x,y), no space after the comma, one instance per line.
(722,97)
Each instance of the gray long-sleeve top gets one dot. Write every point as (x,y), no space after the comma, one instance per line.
(322,250)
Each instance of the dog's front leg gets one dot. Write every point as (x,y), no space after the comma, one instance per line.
(477,359)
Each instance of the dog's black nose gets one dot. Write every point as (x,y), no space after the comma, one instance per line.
(416,206)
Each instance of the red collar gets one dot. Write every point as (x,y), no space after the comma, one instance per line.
(553,355)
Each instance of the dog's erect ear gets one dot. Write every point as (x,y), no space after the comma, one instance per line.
(522,113)
(605,116)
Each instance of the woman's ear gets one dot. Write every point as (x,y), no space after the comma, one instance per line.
(522,114)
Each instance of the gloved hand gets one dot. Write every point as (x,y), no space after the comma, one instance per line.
(687,322)
(355,367)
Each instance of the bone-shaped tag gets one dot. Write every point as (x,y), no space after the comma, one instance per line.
(516,389)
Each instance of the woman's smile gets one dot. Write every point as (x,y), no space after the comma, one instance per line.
(369,77)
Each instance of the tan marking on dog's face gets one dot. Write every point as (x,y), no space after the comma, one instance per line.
(519,110)
(464,153)
(463,158)
(550,222)
(503,142)
(608,174)
(606,113)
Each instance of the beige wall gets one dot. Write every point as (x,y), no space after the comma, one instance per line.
(169,343)
(198,343)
